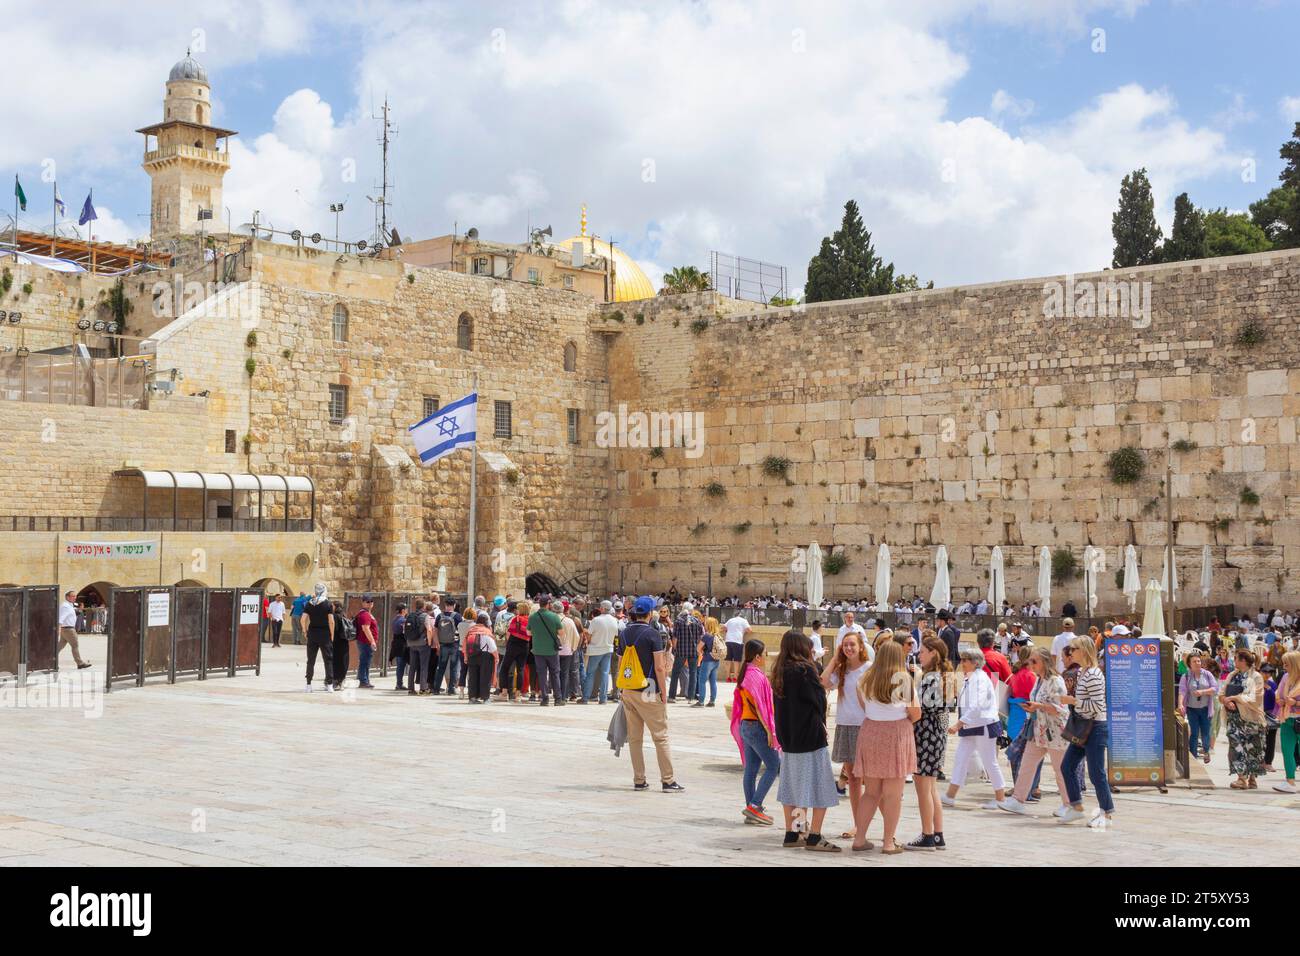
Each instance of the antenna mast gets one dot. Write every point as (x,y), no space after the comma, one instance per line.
(387,131)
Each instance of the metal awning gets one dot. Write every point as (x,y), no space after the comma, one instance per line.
(221,481)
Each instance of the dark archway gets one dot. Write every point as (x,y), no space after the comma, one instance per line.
(539,583)
(95,595)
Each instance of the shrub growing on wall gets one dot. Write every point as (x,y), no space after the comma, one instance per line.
(1125,465)
(833,562)
(1064,565)
(775,466)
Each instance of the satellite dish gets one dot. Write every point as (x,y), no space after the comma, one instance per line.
(315,238)
(472,234)
(296,235)
(377,246)
(362,245)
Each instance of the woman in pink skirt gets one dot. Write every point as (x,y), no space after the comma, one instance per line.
(886,744)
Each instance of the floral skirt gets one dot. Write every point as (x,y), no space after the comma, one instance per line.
(1245,745)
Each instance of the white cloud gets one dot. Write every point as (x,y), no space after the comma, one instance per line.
(1289,108)
(1004,104)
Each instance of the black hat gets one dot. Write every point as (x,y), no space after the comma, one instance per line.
(945,615)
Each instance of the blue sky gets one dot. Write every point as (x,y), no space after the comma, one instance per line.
(984,139)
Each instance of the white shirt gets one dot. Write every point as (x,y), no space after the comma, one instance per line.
(276,610)
(67,614)
(1058,645)
(977,704)
(854,628)
(818,651)
(736,628)
(848,705)
(603,628)
(875,710)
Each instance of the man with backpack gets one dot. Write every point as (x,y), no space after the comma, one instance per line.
(419,644)
(643,682)
(397,643)
(544,626)
(448,633)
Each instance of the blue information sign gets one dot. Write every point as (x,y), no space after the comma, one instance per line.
(1134,710)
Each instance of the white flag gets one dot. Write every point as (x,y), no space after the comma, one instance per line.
(446,430)
(58,202)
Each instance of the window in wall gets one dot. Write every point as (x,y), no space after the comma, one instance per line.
(230,441)
(340,322)
(502,420)
(338,403)
(534,276)
(568,282)
(430,405)
(465,331)
(573,426)
(570,357)
(482,266)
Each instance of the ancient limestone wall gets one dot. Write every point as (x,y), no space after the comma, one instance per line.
(965,417)
(51,309)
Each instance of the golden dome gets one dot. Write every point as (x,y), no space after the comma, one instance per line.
(630,283)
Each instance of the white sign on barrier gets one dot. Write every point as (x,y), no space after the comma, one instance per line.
(250,607)
(160,604)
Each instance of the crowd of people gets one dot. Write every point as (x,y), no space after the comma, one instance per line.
(903,696)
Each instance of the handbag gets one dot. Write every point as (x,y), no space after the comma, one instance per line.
(1077,728)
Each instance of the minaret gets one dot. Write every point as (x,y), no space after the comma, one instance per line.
(187,158)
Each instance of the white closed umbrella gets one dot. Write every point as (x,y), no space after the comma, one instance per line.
(1165,585)
(1094,564)
(1207,573)
(997,581)
(1045,580)
(882,578)
(941,593)
(814,575)
(1132,577)
(1153,621)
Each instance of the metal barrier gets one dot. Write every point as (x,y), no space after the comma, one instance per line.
(170,632)
(29,631)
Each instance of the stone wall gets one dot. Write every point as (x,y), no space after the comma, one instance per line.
(51,309)
(964,417)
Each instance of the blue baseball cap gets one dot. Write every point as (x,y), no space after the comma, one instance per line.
(643,605)
(498,601)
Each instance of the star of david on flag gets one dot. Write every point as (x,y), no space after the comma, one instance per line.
(446,430)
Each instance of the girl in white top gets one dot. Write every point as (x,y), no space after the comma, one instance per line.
(886,743)
(977,729)
(845,671)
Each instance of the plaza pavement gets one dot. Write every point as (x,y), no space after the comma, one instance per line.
(253,771)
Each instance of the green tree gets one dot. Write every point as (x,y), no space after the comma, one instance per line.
(846,266)
(1137,237)
(1278,216)
(1187,238)
(685,279)
(1233,234)
(910,283)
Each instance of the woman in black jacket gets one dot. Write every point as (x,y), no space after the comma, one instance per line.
(807,780)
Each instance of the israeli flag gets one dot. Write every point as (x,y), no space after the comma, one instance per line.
(446,430)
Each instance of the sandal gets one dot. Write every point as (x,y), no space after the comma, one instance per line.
(794,844)
(890,852)
(1239,785)
(822,846)
(860,849)
(847,835)
(1252,784)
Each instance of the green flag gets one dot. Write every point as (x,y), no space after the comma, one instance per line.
(22,196)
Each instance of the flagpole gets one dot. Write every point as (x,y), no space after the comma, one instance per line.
(473,500)
(54,229)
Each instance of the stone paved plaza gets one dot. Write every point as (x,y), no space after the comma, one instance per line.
(253,771)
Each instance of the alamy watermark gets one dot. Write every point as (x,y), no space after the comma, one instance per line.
(1086,299)
(624,429)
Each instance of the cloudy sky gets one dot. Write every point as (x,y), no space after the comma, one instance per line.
(983,139)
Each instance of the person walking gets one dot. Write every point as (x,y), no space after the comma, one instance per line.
(448,633)
(68,630)
(1196,692)
(1243,704)
(807,780)
(931,735)
(1288,712)
(481,659)
(367,629)
(738,630)
(713,649)
(319,612)
(1045,734)
(977,728)
(1088,702)
(420,640)
(544,626)
(688,631)
(753,726)
(296,613)
(344,635)
(886,744)
(646,706)
(603,629)
(844,673)
(397,643)
(276,610)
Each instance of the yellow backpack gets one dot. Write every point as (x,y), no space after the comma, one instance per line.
(630,674)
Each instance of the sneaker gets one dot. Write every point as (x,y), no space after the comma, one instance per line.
(1207,758)
(697,703)
(947,801)
(1069,815)
(938,841)
(1284,787)
(559,703)
(600,702)
(83,665)
(581,700)
(640,786)
(673,787)
(709,704)
(1099,821)
(329,688)
(756,815)
(1060,811)
(924,842)
(309,688)
(993,805)
(544,703)
(1012,805)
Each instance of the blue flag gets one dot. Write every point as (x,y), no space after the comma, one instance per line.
(446,429)
(88,210)
(61,209)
